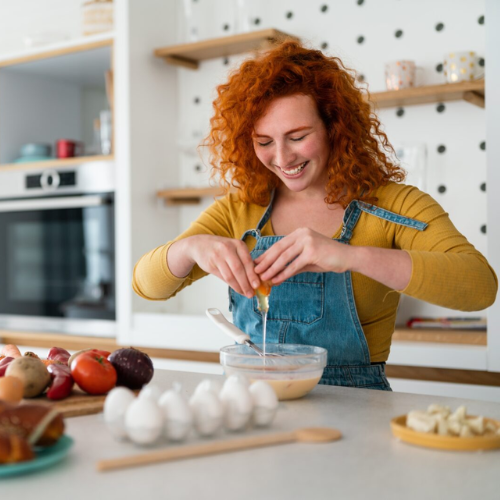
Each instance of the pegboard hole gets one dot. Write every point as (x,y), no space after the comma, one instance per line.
(442,189)
(398,33)
(289,14)
(481,20)
(324,8)
(400,112)
(483,228)
(440,108)
(439,27)
(439,68)
(482,187)
(482,146)
(441,148)
(360,39)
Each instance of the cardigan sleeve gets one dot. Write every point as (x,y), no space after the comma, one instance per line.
(152,278)
(446,269)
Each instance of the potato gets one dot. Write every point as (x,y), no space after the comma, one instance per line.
(32,373)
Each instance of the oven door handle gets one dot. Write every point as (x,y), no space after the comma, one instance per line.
(53,203)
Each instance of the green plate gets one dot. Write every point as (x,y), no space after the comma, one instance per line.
(44,457)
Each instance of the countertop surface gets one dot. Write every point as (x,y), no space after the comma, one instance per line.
(368,462)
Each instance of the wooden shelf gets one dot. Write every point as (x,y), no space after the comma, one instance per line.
(50,51)
(56,163)
(189,55)
(472,92)
(188,196)
(467,337)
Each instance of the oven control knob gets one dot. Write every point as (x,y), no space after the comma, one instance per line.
(50,180)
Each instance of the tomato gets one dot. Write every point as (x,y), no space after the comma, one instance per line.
(93,373)
(104,354)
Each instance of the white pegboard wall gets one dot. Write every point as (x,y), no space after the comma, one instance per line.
(365,34)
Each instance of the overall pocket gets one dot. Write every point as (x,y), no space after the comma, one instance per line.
(299,299)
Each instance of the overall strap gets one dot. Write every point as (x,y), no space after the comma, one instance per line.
(256,233)
(382,213)
(356,207)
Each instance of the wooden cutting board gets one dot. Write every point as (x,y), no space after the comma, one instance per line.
(74,405)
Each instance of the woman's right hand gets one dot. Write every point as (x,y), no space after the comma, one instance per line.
(226,258)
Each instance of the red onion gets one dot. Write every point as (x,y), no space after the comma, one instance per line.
(133,367)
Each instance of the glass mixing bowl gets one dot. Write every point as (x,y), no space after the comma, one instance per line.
(292,375)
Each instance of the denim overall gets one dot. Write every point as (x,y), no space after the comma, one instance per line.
(318,309)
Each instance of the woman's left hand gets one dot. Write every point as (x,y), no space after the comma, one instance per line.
(303,250)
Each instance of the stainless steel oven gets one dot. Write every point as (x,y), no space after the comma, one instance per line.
(57,249)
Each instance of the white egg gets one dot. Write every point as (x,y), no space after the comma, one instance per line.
(150,391)
(208,412)
(208,384)
(238,404)
(115,407)
(177,415)
(143,421)
(265,403)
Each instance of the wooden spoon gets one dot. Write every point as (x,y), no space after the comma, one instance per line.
(307,435)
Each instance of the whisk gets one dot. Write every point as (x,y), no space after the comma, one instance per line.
(234,332)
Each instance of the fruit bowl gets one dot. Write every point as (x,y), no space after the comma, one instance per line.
(292,374)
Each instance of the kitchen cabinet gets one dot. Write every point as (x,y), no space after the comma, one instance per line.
(54,92)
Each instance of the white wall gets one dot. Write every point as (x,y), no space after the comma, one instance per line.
(460,128)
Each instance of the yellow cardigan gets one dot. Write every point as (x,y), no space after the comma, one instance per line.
(447,270)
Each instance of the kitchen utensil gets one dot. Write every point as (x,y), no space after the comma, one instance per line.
(233,331)
(485,442)
(291,375)
(306,435)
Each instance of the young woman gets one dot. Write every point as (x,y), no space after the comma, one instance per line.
(319,211)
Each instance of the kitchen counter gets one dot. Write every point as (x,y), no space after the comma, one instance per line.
(367,462)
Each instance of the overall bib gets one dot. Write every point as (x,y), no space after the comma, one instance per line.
(318,309)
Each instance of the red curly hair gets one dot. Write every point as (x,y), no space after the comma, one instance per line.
(357,164)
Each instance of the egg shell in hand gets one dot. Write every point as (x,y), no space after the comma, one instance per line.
(143,421)
(265,403)
(177,415)
(238,404)
(208,412)
(115,406)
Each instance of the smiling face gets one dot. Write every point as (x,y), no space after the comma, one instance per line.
(291,140)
